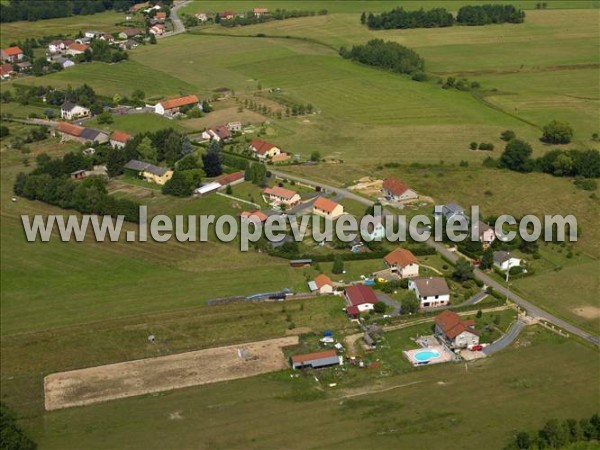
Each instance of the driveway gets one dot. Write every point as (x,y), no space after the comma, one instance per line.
(505,340)
(394,304)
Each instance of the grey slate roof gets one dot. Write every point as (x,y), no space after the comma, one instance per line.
(90,134)
(501,257)
(68,106)
(430,287)
(140,166)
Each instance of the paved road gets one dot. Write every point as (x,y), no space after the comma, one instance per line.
(476,298)
(394,304)
(532,310)
(178,26)
(505,340)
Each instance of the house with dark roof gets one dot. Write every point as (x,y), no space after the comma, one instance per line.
(402,262)
(457,333)
(432,292)
(129,33)
(71,111)
(505,260)
(148,172)
(92,135)
(397,191)
(360,298)
(64,62)
(263,149)
(218,133)
(317,360)
(453,211)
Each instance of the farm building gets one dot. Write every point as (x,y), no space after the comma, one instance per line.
(360,298)
(71,132)
(397,191)
(148,172)
(264,149)
(402,262)
(327,358)
(230,179)
(300,262)
(278,196)
(432,291)
(327,208)
(456,332)
(173,105)
(71,111)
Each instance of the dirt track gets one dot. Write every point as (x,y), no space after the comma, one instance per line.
(144,376)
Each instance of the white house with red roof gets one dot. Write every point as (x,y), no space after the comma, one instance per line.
(397,191)
(172,105)
(327,208)
(218,133)
(12,54)
(456,332)
(263,149)
(360,298)
(402,262)
(278,196)
(255,216)
(321,284)
(118,139)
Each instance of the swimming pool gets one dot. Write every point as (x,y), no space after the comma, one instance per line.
(426,355)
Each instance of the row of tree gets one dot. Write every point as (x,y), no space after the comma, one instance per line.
(441,17)
(558,434)
(279,14)
(388,55)
(33,10)
(50,183)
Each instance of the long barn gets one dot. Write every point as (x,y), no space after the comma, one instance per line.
(316,360)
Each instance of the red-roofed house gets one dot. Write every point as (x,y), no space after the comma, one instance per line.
(7,71)
(12,54)
(254,216)
(68,131)
(172,106)
(161,16)
(327,208)
(360,298)
(118,139)
(397,191)
(264,149)
(158,29)
(260,11)
(402,262)
(324,284)
(456,332)
(227,15)
(281,196)
(76,49)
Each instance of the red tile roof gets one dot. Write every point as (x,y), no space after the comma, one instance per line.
(69,128)
(179,101)
(451,324)
(353,310)
(260,10)
(280,192)
(313,356)
(324,204)
(261,147)
(78,47)
(222,131)
(224,180)
(258,216)
(120,136)
(360,295)
(13,51)
(400,257)
(161,15)
(323,280)
(5,69)
(394,186)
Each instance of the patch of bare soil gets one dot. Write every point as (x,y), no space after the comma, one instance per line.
(588,312)
(368,186)
(127,379)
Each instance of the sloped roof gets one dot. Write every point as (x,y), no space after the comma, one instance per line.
(324,204)
(452,325)
(69,128)
(229,178)
(120,136)
(254,216)
(13,51)
(90,134)
(280,192)
(78,47)
(432,286)
(312,356)
(261,147)
(400,257)
(501,256)
(323,280)
(140,166)
(394,186)
(179,101)
(360,294)
(222,131)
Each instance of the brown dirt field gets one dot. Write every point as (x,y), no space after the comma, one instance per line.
(588,312)
(127,379)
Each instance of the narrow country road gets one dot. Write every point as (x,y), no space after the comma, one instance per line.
(506,339)
(178,26)
(532,310)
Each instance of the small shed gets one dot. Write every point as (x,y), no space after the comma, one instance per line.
(78,174)
(300,262)
(316,360)
(207,188)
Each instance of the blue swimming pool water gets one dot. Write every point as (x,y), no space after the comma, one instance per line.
(369,282)
(426,355)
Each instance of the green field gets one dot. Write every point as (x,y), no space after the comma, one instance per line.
(74,305)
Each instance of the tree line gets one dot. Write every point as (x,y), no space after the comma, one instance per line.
(50,183)
(441,17)
(33,10)
(279,14)
(558,434)
(387,55)
(12,437)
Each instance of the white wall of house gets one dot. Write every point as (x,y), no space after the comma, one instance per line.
(326,289)
(409,194)
(509,264)
(487,237)
(465,339)
(159,109)
(365,307)
(76,112)
(117,144)
(337,212)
